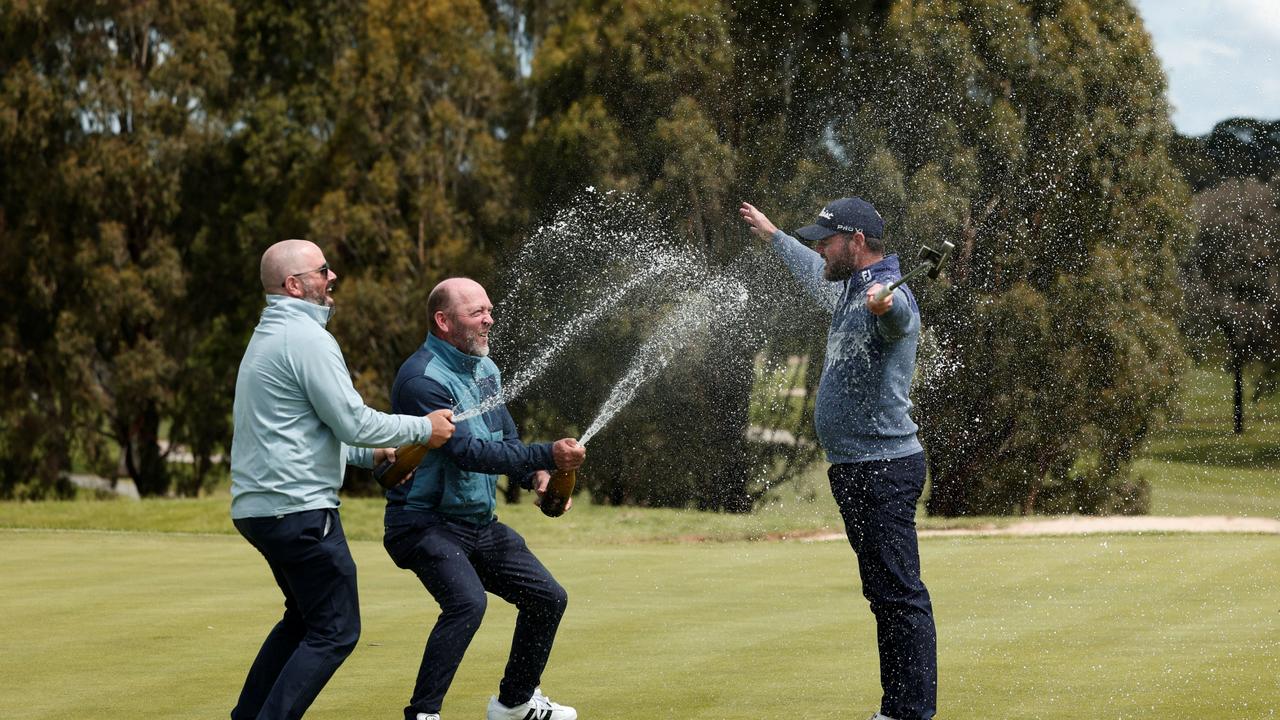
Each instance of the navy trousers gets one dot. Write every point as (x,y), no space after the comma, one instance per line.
(458,562)
(309,557)
(877,500)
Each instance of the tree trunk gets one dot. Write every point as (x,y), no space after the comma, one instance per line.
(946,494)
(1237,395)
(142,454)
(1033,491)
(511,493)
(722,487)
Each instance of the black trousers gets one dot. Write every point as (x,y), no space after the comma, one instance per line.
(877,500)
(309,557)
(458,562)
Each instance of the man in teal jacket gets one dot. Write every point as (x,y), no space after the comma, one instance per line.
(298,423)
(442,525)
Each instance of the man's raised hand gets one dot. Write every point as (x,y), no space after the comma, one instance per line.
(760,224)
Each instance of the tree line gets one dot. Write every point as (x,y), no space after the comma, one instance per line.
(1232,271)
(150,150)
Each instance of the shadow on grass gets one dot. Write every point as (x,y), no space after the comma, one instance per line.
(1213,446)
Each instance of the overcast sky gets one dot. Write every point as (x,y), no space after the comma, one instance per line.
(1221,57)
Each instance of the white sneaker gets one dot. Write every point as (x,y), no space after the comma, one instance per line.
(539,707)
(427,716)
(878,716)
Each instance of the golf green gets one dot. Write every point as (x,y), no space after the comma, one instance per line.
(137,625)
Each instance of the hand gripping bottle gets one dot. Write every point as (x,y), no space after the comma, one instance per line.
(389,474)
(558,492)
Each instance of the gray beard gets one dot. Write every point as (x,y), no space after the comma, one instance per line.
(472,346)
(321,297)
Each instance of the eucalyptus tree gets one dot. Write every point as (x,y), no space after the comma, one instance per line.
(1035,135)
(106,102)
(415,184)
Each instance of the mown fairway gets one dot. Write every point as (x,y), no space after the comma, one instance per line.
(141,621)
(1196,465)
(139,625)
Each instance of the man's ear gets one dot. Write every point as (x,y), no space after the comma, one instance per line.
(442,320)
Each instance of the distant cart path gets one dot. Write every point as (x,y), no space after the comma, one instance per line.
(1082,525)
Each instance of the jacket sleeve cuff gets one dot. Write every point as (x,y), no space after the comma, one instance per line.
(541,459)
(544,459)
(360,457)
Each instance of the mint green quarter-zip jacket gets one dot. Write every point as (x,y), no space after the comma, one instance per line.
(298,419)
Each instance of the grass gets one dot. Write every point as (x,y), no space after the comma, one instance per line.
(798,509)
(154,609)
(129,625)
(1198,466)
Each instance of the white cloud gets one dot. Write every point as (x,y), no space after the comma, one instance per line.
(1257,17)
(1198,52)
(1222,58)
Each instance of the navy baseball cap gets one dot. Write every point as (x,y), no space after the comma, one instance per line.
(845,215)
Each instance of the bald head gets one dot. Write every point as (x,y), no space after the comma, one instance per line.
(286,258)
(461,314)
(297,268)
(447,294)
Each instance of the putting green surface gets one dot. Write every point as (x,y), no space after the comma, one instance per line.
(137,625)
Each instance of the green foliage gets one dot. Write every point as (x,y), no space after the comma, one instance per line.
(1034,137)
(372,128)
(170,143)
(415,186)
(1238,147)
(1233,287)
(114,99)
(628,97)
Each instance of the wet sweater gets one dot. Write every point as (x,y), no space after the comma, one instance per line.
(863,408)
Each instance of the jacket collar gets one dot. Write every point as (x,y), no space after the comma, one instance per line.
(455,359)
(294,306)
(886,267)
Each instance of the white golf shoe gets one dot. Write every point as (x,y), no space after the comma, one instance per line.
(428,716)
(539,707)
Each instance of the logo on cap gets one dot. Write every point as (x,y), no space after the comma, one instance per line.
(848,215)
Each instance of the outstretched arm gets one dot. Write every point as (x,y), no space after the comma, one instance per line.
(322,373)
(805,264)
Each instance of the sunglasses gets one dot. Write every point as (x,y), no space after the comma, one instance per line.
(322,269)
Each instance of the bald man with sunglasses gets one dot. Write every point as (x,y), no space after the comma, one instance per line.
(298,423)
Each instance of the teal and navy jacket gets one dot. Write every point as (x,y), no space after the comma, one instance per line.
(460,479)
(297,416)
(863,408)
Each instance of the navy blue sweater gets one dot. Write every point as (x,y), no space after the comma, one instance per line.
(460,478)
(863,408)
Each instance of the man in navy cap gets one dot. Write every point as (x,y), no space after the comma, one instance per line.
(863,419)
